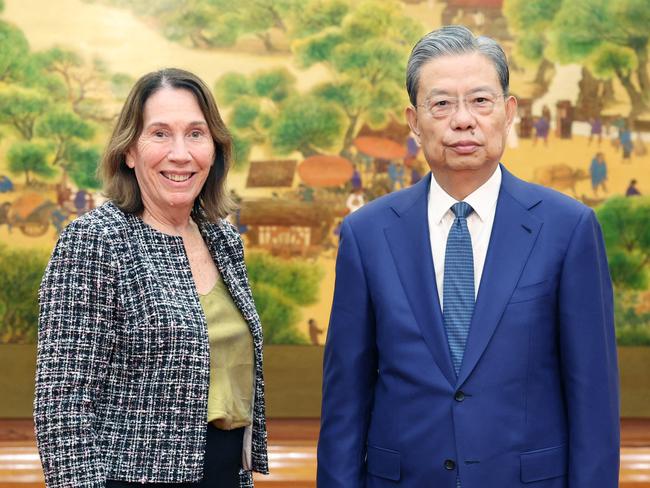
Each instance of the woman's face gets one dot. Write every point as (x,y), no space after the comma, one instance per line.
(173,154)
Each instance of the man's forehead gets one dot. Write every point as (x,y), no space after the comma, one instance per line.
(477,89)
(471,71)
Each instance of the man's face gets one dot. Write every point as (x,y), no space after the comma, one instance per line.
(462,116)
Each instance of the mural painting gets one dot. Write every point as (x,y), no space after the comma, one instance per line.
(313,93)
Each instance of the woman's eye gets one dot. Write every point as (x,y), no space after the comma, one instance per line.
(159,133)
(196,133)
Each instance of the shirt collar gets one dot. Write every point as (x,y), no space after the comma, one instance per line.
(483,200)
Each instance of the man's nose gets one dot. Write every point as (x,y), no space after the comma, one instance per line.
(462,118)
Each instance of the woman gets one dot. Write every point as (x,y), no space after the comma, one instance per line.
(150,348)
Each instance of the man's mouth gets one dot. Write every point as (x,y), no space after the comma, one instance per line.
(179,178)
(464,147)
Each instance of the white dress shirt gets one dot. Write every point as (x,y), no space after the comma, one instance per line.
(479,223)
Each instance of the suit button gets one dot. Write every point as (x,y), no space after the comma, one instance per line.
(450,465)
(459,396)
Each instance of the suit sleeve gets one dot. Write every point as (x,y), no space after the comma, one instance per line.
(349,373)
(589,359)
(75,340)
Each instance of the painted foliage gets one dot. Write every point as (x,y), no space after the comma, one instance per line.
(313,93)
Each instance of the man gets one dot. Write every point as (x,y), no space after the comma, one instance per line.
(471,340)
(632,190)
(598,172)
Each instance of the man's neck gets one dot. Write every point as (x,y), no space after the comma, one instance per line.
(460,184)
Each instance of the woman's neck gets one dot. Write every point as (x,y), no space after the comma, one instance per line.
(169,223)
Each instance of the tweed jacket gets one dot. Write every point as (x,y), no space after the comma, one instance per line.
(123,354)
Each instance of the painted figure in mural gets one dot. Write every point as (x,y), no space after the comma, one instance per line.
(80,202)
(396,175)
(149,341)
(632,190)
(598,172)
(471,340)
(355,200)
(6,185)
(314,332)
(596,130)
(625,138)
(355,179)
(542,129)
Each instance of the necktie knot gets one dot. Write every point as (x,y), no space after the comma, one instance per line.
(461,209)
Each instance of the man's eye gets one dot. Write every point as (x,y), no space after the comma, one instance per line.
(441,103)
(481,100)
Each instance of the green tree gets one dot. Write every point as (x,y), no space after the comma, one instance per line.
(14,52)
(84,86)
(20,108)
(611,36)
(530,20)
(65,129)
(307,124)
(83,167)
(627,237)
(216,23)
(365,49)
(280,287)
(266,107)
(20,275)
(30,159)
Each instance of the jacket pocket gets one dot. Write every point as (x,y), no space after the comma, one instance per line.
(384,463)
(543,464)
(531,292)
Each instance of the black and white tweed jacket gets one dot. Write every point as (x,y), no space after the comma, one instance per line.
(123,354)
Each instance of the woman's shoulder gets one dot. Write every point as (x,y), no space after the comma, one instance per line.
(105,221)
(222,228)
(223,234)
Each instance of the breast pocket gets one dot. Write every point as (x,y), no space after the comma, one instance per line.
(531,292)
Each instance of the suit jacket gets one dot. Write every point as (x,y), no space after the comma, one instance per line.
(123,354)
(536,400)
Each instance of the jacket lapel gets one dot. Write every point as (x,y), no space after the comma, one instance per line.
(408,240)
(224,251)
(514,233)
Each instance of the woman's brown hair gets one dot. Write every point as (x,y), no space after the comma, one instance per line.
(120,184)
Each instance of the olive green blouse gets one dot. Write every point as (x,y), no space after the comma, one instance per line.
(230,397)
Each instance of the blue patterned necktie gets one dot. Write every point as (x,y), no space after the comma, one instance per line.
(458,287)
(458,284)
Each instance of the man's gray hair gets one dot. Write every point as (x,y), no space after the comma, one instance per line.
(453,40)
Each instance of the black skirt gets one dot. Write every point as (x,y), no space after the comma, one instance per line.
(223,453)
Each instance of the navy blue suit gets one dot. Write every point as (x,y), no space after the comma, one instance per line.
(536,400)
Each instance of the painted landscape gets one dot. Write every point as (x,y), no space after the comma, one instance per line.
(313,94)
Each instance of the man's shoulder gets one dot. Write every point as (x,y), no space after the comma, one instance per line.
(543,200)
(386,207)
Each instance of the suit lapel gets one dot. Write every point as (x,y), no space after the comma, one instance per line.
(222,249)
(514,233)
(408,240)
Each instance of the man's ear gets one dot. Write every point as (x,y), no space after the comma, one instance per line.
(511,111)
(412,119)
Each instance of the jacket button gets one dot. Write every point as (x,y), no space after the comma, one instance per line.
(459,396)
(450,465)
